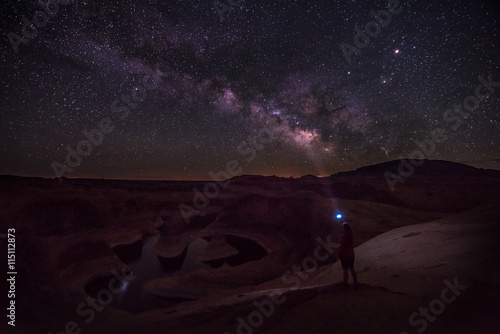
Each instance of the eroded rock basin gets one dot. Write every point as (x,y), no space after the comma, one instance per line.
(147,266)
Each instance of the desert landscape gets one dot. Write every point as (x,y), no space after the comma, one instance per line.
(244,167)
(116,256)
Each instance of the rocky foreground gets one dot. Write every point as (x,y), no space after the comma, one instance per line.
(448,267)
(271,253)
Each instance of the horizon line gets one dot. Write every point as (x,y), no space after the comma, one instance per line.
(467,163)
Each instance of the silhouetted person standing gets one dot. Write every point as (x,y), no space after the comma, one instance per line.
(346,254)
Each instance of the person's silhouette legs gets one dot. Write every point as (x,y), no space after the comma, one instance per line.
(354,276)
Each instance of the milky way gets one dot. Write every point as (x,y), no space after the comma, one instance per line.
(227,74)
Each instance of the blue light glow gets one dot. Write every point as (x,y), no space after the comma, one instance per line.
(124,286)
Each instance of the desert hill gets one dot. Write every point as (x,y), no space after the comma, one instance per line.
(424,168)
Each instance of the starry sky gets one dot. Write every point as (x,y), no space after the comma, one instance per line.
(228,75)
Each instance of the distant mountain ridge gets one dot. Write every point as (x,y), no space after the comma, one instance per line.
(429,168)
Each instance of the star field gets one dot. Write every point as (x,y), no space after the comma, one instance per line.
(274,65)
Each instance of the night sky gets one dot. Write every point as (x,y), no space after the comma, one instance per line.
(221,78)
